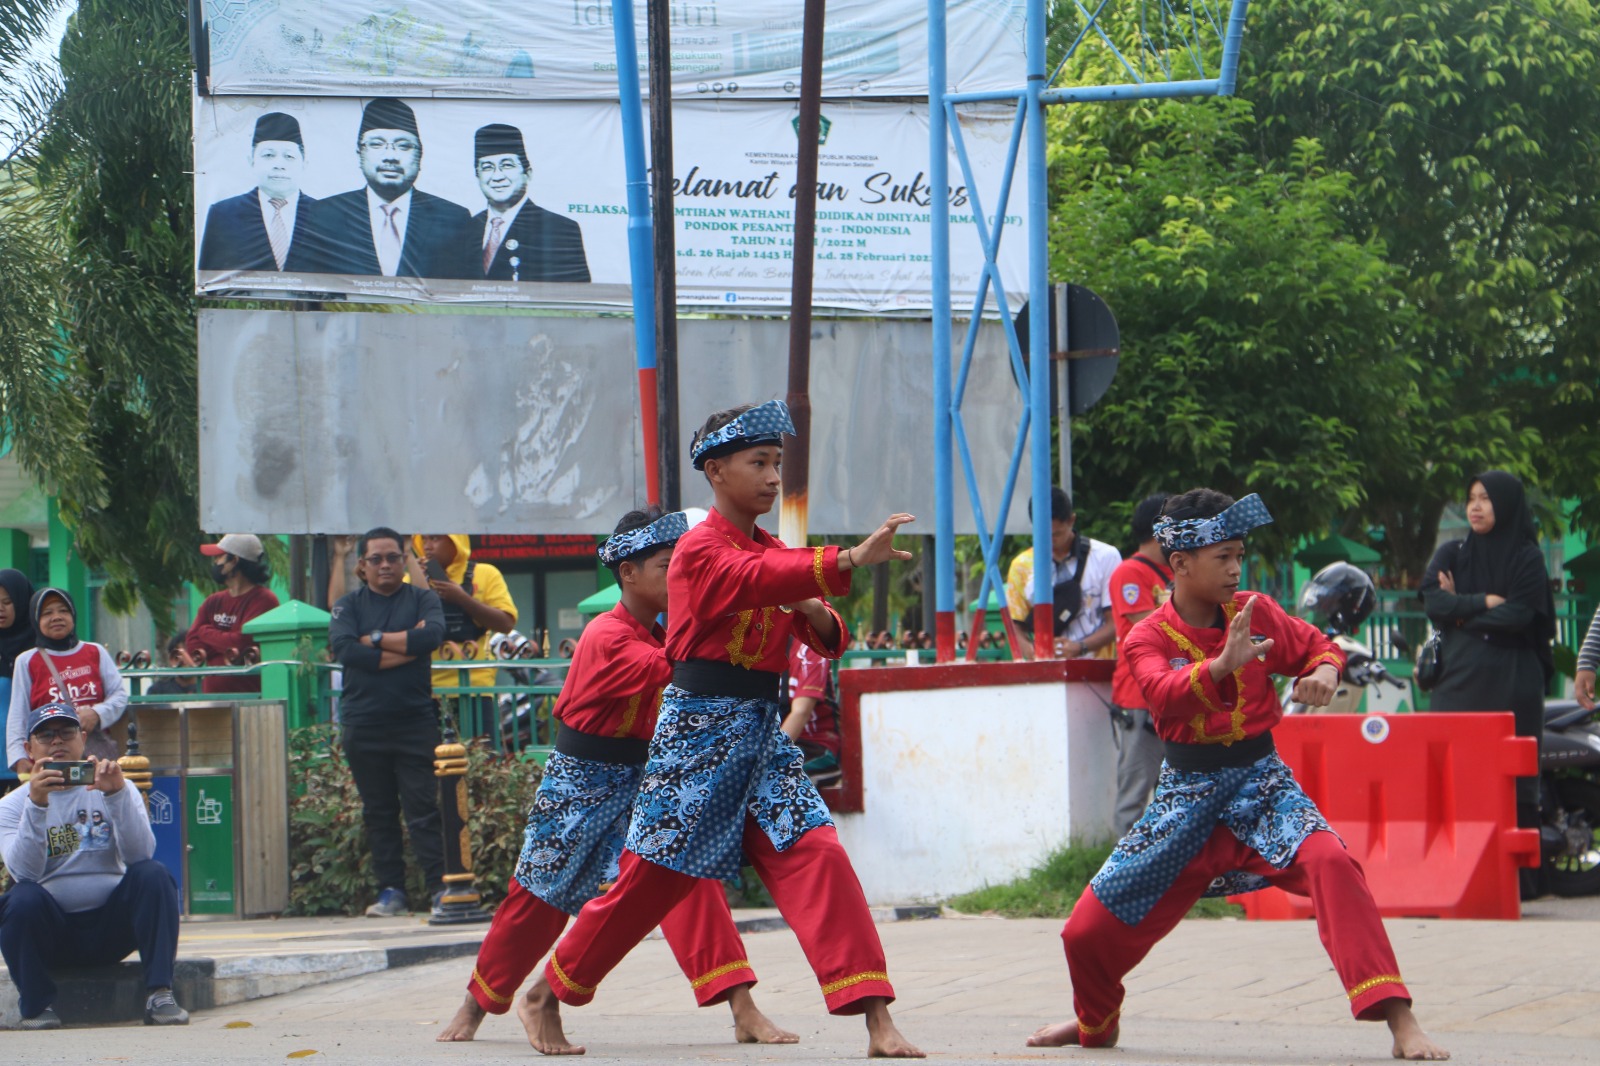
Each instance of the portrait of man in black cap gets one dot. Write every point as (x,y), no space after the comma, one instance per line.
(265,228)
(514,239)
(389,227)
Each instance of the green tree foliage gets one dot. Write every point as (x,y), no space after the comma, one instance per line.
(1370,275)
(99,395)
(1469,129)
(1250,362)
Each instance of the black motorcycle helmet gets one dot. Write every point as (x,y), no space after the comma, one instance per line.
(1338,598)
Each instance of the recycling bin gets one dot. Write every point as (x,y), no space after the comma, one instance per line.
(219,803)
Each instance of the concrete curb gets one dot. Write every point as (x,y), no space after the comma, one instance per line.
(108,995)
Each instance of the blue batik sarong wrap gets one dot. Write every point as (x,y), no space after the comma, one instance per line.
(575,830)
(1261,804)
(713,760)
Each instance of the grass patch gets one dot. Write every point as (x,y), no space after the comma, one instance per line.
(1051,889)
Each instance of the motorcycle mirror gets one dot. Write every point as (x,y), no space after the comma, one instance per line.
(1401,644)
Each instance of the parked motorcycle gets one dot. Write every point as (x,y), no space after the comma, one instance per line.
(1337,599)
(1569,799)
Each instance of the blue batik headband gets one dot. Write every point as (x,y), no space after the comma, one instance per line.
(662,533)
(765,424)
(1186,534)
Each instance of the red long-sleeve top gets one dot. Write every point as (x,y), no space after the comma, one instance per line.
(725,588)
(1171,660)
(613,687)
(218,631)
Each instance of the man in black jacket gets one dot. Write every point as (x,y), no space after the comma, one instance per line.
(266,228)
(383,635)
(515,239)
(390,227)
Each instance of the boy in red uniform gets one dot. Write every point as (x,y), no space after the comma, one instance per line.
(607,712)
(724,783)
(1227,816)
(1140,583)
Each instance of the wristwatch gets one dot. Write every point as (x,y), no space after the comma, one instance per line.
(377,638)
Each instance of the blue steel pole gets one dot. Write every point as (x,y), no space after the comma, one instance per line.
(641,238)
(943,478)
(1039,338)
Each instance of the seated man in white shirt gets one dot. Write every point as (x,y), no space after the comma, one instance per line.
(82,898)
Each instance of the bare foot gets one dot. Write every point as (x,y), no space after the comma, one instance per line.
(1066,1034)
(884,1040)
(1410,1042)
(540,1013)
(750,1026)
(464,1026)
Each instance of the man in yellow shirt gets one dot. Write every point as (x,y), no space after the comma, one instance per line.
(476,603)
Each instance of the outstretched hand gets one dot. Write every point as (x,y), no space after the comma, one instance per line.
(1239,649)
(879,547)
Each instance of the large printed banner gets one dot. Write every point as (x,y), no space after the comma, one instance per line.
(566,49)
(525,202)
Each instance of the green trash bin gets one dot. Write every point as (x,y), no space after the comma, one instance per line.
(220,769)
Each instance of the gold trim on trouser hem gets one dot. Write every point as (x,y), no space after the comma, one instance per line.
(721,971)
(477,979)
(1096,1030)
(1373,982)
(572,986)
(855,979)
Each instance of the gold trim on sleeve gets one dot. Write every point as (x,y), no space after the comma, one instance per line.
(817,569)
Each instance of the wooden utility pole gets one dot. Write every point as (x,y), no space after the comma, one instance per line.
(793,520)
(666,252)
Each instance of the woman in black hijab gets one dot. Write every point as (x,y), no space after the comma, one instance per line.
(1490,596)
(16,621)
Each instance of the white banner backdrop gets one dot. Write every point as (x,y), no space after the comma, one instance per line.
(293,196)
(566,49)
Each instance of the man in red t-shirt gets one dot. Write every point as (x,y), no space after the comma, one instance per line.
(1140,583)
(216,637)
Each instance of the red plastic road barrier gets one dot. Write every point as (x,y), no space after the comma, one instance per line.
(1425,802)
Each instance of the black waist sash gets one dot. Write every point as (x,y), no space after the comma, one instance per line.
(707,677)
(1205,757)
(625,751)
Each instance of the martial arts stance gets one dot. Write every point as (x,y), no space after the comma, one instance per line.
(724,783)
(1227,816)
(607,712)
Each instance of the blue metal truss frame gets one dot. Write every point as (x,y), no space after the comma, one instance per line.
(1195,25)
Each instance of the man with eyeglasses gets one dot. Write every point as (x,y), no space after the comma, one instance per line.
(389,227)
(85,895)
(383,635)
(515,239)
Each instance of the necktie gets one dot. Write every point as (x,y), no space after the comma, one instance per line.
(278,231)
(390,263)
(492,245)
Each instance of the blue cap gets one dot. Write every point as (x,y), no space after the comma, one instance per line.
(47,712)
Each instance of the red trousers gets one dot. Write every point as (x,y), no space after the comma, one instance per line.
(699,930)
(812,883)
(1101,950)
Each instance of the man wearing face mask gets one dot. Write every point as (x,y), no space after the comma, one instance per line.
(240,567)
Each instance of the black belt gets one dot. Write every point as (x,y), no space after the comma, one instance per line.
(707,677)
(1205,757)
(624,751)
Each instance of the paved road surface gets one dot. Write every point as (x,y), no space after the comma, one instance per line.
(971,989)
